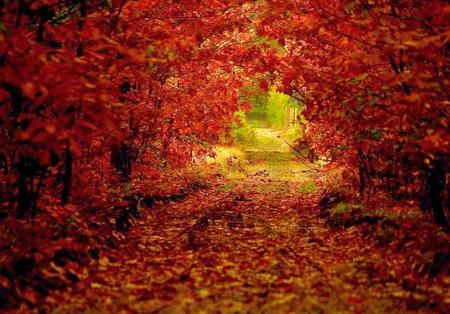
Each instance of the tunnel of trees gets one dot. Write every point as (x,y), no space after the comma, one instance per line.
(96,95)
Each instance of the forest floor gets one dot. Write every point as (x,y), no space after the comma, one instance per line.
(251,243)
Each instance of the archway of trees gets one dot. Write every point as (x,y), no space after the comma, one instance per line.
(103,95)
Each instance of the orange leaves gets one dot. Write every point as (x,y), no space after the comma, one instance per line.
(29,90)
(437,142)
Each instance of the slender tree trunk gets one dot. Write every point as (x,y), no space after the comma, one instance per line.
(36,196)
(24,197)
(435,181)
(116,20)
(20,12)
(26,169)
(67,180)
(121,160)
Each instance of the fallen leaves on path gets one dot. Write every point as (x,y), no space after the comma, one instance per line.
(244,251)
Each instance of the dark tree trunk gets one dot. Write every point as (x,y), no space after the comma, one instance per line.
(36,196)
(435,182)
(26,169)
(67,180)
(121,160)
(20,11)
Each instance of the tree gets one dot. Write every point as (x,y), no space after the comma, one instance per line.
(375,81)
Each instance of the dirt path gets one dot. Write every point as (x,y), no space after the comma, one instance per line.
(256,246)
(262,252)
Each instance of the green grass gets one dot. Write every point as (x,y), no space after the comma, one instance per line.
(341,208)
(390,214)
(308,187)
(243,133)
(381,212)
(226,187)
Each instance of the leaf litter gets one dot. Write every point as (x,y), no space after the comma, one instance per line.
(259,247)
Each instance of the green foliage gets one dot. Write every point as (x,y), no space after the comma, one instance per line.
(3,28)
(269,110)
(276,108)
(377,134)
(242,132)
(270,43)
(61,17)
(293,133)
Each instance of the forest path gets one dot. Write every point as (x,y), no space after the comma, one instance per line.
(249,244)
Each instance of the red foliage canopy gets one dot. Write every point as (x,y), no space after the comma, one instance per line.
(144,82)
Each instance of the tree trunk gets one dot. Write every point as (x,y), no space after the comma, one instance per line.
(26,169)
(121,160)
(67,181)
(435,181)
